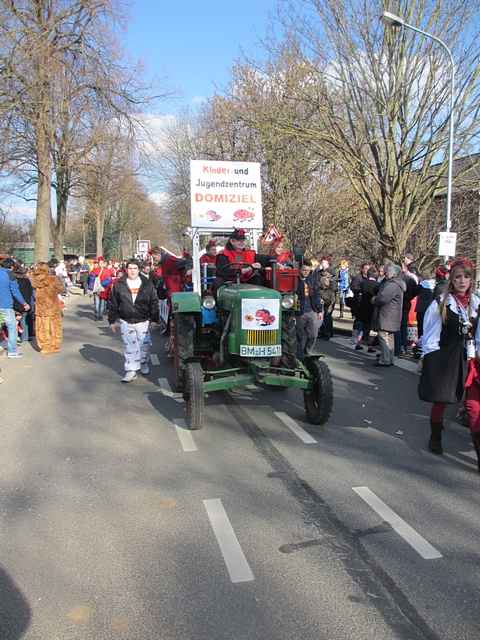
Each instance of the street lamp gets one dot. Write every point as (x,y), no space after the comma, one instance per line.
(393,20)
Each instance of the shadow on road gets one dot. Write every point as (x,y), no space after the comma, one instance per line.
(86,314)
(107,357)
(15,613)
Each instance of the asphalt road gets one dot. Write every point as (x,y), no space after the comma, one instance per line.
(117,522)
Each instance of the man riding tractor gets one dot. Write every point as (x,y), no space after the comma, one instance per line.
(236,260)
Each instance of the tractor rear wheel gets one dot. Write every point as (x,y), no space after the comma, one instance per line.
(318,401)
(289,340)
(194,395)
(183,331)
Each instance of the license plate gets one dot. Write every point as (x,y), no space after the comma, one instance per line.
(248,351)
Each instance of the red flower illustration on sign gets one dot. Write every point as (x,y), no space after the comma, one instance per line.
(243,214)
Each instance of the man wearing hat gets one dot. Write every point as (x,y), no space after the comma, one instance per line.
(236,258)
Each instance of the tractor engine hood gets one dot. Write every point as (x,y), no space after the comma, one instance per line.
(230,295)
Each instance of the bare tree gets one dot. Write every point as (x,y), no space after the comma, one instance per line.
(377,100)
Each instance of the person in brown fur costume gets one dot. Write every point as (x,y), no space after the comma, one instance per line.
(48,312)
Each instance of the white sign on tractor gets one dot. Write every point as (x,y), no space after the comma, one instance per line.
(225,195)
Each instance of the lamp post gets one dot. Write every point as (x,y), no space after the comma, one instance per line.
(396,21)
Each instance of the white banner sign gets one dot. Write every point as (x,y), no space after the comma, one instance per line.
(226,195)
(448,244)
(261,315)
(143,247)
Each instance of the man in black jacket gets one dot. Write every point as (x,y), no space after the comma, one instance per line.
(310,312)
(133,305)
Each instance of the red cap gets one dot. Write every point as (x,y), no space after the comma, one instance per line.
(100,258)
(212,243)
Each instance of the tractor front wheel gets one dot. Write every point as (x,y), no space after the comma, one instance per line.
(194,395)
(183,331)
(289,340)
(319,400)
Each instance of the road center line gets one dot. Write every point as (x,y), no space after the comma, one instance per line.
(408,533)
(154,359)
(185,436)
(232,553)
(293,426)
(166,390)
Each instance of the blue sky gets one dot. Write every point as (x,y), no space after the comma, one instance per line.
(193,44)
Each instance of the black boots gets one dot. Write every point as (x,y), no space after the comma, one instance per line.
(476,444)
(435,442)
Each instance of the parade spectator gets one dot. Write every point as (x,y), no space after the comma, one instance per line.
(310,312)
(133,305)
(9,291)
(101,287)
(48,309)
(449,340)
(343,284)
(368,289)
(355,301)
(410,278)
(26,289)
(325,281)
(82,273)
(388,313)
(429,289)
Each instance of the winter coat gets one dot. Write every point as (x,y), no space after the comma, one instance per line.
(9,290)
(388,305)
(47,287)
(327,286)
(26,290)
(122,307)
(314,295)
(364,310)
(343,280)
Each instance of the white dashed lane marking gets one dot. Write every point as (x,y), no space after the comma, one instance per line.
(296,428)
(166,390)
(185,436)
(408,533)
(235,561)
(154,359)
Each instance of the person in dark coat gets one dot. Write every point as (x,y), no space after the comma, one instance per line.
(310,311)
(388,314)
(326,282)
(354,303)
(450,338)
(26,290)
(368,288)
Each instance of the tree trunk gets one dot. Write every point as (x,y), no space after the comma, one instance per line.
(100,226)
(58,227)
(43,210)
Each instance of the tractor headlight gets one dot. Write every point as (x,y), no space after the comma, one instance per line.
(288,301)
(209,302)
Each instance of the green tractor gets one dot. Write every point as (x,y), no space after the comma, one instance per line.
(244,335)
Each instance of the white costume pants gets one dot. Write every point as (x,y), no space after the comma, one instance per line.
(136,344)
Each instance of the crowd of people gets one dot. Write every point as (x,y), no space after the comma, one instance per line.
(380,299)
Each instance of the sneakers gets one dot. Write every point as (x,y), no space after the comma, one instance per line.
(358,347)
(15,354)
(129,376)
(145,369)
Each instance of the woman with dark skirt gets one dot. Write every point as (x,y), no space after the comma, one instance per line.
(451,338)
